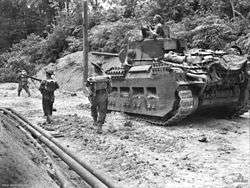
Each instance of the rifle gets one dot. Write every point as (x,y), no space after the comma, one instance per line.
(37,79)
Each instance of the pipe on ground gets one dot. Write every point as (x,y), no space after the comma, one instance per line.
(60,176)
(81,171)
(107,181)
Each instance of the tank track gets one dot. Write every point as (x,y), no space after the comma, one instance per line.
(238,111)
(185,104)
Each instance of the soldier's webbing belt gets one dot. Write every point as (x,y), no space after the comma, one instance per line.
(23,80)
(99,82)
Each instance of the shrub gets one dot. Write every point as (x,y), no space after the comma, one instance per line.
(21,56)
(74,44)
(7,75)
(244,43)
(55,44)
(32,51)
(110,36)
(210,31)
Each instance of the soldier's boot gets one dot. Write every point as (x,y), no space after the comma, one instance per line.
(94,116)
(99,129)
(93,125)
(28,92)
(48,119)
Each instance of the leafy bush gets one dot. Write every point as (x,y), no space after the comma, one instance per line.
(109,37)
(55,44)
(210,31)
(7,75)
(95,18)
(32,51)
(244,43)
(205,24)
(114,14)
(74,44)
(22,55)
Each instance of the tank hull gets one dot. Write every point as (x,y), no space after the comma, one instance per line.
(164,86)
(162,96)
(171,102)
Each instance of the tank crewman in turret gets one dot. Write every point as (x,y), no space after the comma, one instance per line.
(157,30)
(98,86)
(47,89)
(23,83)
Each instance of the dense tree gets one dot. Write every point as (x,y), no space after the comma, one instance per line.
(36,32)
(19,18)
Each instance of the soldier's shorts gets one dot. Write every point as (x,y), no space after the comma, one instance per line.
(25,87)
(47,107)
(99,104)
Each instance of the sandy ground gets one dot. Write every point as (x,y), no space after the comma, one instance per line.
(199,152)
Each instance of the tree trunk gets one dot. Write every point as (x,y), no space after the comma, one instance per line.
(232,6)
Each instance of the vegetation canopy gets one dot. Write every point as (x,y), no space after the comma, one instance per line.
(37,32)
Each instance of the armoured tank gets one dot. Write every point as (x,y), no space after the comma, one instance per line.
(163,82)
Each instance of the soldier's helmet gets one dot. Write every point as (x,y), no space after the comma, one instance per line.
(131,54)
(157,19)
(49,72)
(23,72)
(97,65)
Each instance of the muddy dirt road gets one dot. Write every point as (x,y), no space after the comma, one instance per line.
(199,152)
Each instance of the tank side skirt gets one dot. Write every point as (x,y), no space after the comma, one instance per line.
(165,87)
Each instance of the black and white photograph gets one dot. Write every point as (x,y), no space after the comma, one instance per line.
(125,93)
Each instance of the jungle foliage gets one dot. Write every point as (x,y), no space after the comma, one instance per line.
(37,32)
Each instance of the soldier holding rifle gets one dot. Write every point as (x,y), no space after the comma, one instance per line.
(47,89)
(98,86)
(23,83)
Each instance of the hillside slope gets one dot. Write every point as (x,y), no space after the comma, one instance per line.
(69,71)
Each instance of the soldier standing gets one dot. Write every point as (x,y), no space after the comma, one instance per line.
(47,89)
(23,83)
(98,86)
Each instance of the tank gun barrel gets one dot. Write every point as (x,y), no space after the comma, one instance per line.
(105,54)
